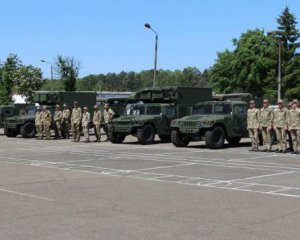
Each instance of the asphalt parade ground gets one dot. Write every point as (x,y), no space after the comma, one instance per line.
(65,190)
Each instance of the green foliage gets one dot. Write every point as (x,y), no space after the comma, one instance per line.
(68,69)
(26,80)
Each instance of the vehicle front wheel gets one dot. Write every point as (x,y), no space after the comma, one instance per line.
(28,130)
(178,140)
(215,138)
(115,137)
(146,135)
(10,132)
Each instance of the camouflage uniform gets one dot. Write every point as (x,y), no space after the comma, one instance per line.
(39,123)
(108,115)
(85,124)
(266,118)
(57,119)
(280,125)
(75,122)
(66,123)
(294,127)
(97,122)
(252,126)
(47,124)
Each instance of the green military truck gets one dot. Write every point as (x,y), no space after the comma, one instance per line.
(5,112)
(213,122)
(24,124)
(154,111)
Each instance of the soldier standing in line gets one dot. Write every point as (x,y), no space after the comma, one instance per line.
(108,115)
(76,121)
(97,122)
(294,126)
(57,119)
(66,122)
(253,125)
(47,123)
(281,126)
(85,124)
(39,123)
(266,118)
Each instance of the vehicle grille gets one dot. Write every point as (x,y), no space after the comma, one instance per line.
(189,124)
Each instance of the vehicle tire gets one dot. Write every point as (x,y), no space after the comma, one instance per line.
(165,138)
(10,132)
(233,140)
(28,130)
(177,140)
(115,138)
(215,138)
(146,135)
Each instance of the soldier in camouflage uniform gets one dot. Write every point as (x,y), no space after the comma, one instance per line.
(266,118)
(57,119)
(85,124)
(47,123)
(66,122)
(97,122)
(39,123)
(253,125)
(108,115)
(281,126)
(294,125)
(76,122)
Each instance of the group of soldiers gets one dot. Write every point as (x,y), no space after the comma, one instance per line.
(285,122)
(76,121)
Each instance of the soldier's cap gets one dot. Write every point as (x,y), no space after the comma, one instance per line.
(266,101)
(96,106)
(75,102)
(38,107)
(57,106)
(65,105)
(85,108)
(252,102)
(280,101)
(295,101)
(106,105)
(290,103)
(45,107)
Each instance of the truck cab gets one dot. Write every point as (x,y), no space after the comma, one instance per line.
(213,122)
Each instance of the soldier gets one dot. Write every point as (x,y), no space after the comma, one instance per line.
(57,119)
(97,122)
(253,125)
(294,126)
(66,122)
(39,123)
(281,126)
(47,123)
(266,118)
(76,121)
(291,149)
(108,115)
(85,124)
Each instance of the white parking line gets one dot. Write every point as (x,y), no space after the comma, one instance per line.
(27,195)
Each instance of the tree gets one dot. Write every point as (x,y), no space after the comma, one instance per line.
(26,80)
(68,69)
(287,36)
(8,71)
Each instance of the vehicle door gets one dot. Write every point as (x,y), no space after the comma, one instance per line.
(168,114)
(240,119)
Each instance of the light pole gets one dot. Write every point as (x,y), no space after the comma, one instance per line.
(147,25)
(51,85)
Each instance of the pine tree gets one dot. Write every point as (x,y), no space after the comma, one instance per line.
(287,36)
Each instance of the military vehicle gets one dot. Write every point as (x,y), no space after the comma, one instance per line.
(24,124)
(213,122)
(154,111)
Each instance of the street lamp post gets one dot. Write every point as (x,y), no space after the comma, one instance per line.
(279,71)
(147,25)
(51,65)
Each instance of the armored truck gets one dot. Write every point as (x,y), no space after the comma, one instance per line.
(213,122)
(24,124)
(154,111)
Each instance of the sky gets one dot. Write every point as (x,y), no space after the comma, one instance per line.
(109,35)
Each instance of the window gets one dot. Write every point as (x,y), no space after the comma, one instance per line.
(222,108)
(203,109)
(170,112)
(135,110)
(153,110)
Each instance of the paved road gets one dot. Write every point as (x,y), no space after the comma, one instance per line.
(64,190)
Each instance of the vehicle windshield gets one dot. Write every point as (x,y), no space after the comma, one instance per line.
(217,108)
(143,110)
(203,109)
